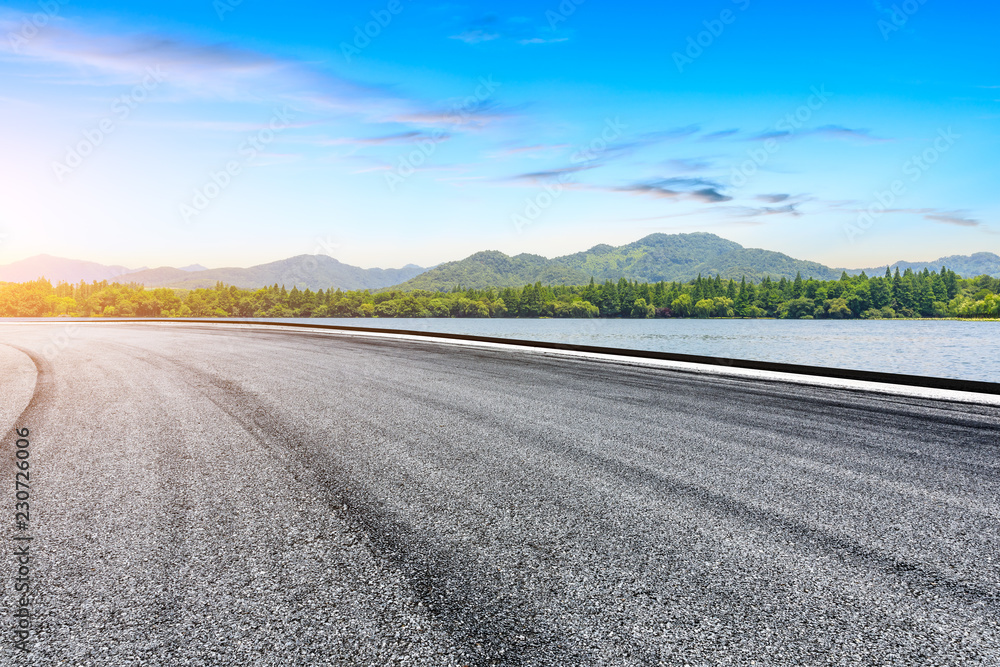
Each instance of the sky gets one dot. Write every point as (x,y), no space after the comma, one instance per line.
(389,132)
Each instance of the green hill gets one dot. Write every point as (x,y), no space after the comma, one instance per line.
(977,264)
(492,268)
(667,257)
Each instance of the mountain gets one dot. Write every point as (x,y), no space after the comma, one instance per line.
(495,269)
(673,257)
(159,277)
(969,266)
(312,271)
(657,257)
(304,271)
(57,269)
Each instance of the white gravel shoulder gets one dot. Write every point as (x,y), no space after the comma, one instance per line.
(701,369)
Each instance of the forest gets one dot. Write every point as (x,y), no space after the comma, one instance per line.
(922,294)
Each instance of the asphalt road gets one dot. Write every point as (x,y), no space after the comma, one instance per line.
(209,496)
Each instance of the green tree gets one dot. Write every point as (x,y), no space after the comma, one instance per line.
(704,308)
(798,308)
(683,306)
(640,309)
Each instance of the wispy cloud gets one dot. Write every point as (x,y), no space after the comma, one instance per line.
(218,125)
(534,151)
(476,36)
(773,199)
(690,189)
(626,148)
(271,159)
(756,212)
(607,154)
(770,134)
(689,164)
(944,217)
(953,219)
(721,134)
(398,138)
(377,166)
(841,132)
(455,118)
(113,53)
(542,40)
(226,71)
(837,132)
(550,174)
(518,30)
(215,69)
(698,189)
(671,134)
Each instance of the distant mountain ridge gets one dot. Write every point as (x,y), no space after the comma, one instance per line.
(305,271)
(57,269)
(674,257)
(968,266)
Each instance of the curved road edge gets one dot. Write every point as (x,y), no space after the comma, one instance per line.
(944,389)
(19,385)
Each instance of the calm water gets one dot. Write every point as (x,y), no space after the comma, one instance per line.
(965,350)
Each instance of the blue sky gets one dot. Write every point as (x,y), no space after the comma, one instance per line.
(394,131)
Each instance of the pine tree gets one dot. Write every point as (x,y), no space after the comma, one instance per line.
(797,285)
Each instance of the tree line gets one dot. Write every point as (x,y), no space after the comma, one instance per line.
(895,295)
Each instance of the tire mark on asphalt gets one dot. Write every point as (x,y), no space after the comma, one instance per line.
(938,417)
(41,395)
(258,421)
(820,541)
(174,471)
(937,422)
(479,614)
(172,520)
(33,417)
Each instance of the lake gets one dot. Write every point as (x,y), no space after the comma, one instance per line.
(944,348)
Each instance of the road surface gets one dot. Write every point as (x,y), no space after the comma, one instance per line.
(204,495)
